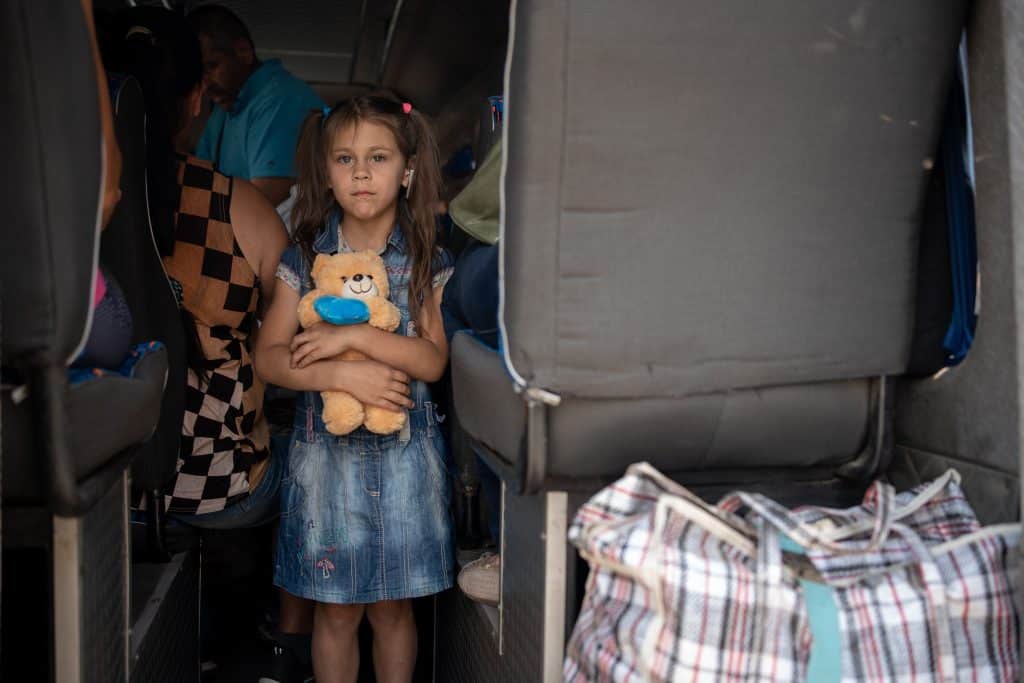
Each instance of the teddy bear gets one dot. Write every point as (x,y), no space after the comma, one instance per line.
(353,275)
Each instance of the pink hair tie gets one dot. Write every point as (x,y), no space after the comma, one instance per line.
(406,107)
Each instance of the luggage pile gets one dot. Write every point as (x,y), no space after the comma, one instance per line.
(904,587)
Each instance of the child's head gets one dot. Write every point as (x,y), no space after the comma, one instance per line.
(370,156)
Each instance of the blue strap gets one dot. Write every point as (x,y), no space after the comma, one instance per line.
(826,662)
(963,252)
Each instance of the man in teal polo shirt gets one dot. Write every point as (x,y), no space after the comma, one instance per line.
(253,130)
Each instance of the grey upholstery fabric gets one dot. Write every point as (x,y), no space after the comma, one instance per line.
(50,194)
(970,418)
(705,196)
(486,403)
(813,425)
(710,231)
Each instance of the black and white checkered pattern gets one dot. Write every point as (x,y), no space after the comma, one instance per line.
(223,432)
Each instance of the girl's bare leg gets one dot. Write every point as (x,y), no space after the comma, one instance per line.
(394,640)
(336,642)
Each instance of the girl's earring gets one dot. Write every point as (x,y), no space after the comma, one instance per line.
(408,186)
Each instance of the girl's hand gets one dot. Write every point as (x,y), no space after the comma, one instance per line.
(375,384)
(321,342)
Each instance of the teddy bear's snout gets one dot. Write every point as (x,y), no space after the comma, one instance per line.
(361,285)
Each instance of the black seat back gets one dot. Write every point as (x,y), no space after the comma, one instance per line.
(129,252)
(65,444)
(51,190)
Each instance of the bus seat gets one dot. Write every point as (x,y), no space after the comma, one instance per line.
(712,266)
(64,445)
(129,250)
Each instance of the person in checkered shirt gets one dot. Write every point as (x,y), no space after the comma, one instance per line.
(221,241)
(365,524)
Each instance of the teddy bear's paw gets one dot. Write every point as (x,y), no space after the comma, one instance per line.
(381,421)
(343,413)
(307,313)
(341,427)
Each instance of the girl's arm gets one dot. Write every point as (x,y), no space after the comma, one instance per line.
(423,357)
(371,382)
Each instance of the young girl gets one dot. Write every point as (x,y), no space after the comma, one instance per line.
(365,524)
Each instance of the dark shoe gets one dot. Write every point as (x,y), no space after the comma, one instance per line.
(286,667)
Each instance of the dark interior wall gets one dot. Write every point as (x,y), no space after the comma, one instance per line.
(440,46)
(445,56)
(448,56)
(970,418)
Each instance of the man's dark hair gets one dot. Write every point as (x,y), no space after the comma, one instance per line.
(221,25)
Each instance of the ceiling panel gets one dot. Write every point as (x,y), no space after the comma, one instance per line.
(314,38)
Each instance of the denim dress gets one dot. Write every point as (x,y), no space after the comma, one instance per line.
(365,517)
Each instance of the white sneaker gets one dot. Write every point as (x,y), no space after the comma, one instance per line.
(480,579)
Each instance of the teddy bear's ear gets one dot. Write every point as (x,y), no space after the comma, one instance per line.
(318,264)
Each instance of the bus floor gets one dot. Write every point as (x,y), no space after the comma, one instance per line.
(239,607)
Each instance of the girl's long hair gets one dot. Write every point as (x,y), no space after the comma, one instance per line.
(315,201)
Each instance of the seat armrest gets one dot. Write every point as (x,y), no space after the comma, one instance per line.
(486,402)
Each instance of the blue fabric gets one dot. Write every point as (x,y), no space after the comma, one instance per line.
(826,662)
(471,296)
(257,138)
(339,311)
(309,405)
(77,375)
(110,335)
(366,518)
(260,507)
(963,250)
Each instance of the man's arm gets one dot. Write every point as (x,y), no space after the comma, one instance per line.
(274,189)
(270,147)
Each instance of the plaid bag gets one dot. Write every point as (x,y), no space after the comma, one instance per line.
(682,590)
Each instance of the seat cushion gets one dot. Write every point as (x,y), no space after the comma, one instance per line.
(814,425)
(106,416)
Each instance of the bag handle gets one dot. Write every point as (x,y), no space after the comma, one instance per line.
(814,537)
(809,536)
(714,519)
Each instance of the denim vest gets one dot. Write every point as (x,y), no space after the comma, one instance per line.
(296,272)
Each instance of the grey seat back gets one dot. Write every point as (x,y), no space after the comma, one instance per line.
(710,196)
(709,236)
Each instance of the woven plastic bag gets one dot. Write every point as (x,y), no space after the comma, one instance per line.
(683,590)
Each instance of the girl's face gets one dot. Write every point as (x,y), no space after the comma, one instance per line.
(366,171)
